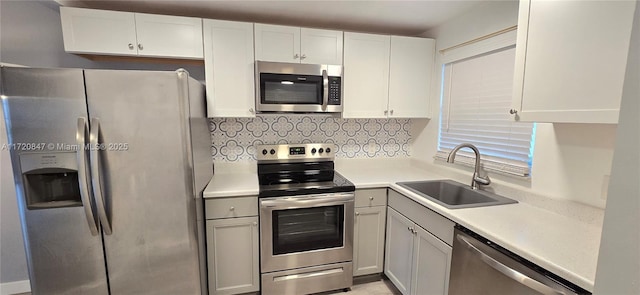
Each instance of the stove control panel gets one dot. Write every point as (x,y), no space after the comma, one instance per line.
(304,152)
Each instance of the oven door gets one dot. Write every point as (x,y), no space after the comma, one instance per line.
(307,230)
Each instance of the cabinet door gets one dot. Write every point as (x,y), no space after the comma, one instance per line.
(169,36)
(399,251)
(229,66)
(368,240)
(320,46)
(232,255)
(98,32)
(366,75)
(410,71)
(431,264)
(277,43)
(570,60)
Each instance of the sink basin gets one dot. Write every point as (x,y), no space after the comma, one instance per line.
(454,195)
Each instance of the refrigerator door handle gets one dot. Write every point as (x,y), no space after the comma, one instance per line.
(94,154)
(83,181)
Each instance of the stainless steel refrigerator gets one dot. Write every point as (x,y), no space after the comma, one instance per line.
(109,168)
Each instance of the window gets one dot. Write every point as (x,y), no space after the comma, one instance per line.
(477,87)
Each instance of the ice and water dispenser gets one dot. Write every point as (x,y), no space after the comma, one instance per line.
(50,180)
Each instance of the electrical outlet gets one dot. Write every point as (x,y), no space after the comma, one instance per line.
(371,148)
(605,187)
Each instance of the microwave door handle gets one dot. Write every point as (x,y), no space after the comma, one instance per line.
(325,92)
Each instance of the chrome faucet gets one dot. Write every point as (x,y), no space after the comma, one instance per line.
(476,180)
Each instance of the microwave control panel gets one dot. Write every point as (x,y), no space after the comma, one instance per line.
(335,91)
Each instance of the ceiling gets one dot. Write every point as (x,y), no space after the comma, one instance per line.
(390,17)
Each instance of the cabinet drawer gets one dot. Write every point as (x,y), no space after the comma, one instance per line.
(371,197)
(433,222)
(231,207)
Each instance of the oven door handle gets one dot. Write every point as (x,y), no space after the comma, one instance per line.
(307,201)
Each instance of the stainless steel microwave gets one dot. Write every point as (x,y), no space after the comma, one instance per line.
(303,88)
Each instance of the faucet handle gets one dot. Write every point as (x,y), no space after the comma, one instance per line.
(484,180)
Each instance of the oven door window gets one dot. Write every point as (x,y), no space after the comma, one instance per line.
(290,89)
(306,229)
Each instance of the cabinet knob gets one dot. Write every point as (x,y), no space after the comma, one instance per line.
(370,198)
(391,112)
(296,56)
(409,228)
(140,46)
(386,112)
(255,223)
(131,46)
(357,213)
(232,208)
(251,110)
(513,112)
(303,56)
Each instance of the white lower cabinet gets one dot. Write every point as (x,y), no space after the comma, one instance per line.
(369,231)
(232,249)
(416,261)
(431,264)
(368,240)
(399,250)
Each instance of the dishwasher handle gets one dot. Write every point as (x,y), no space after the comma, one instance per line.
(510,272)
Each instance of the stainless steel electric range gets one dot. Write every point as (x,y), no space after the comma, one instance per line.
(306,220)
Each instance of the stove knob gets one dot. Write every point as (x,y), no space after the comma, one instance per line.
(313,150)
(264,152)
(321,151)
(328,150)
(273,152)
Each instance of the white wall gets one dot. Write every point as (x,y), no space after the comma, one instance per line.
(570,160)
(619,260)
(31,35)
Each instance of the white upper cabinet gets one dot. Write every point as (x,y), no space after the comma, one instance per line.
(297,45)
(169,36)
(570,60)
(387,76)
(410,71)
(229,68)
(277,43)
(320,46)
(366,75)
(98,31)
(90,31)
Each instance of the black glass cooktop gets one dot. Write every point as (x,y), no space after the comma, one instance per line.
(290,179)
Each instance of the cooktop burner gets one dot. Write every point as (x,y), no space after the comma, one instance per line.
(300,169)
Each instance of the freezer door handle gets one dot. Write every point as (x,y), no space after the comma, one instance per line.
(96,181)
(510,272)
(83,181)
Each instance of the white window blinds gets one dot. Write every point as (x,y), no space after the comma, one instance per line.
(476,99)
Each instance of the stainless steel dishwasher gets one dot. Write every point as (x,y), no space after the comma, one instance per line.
(478,266)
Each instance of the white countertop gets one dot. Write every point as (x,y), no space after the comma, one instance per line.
(232,180)
(562,245)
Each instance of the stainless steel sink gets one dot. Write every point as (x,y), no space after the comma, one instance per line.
(454,195)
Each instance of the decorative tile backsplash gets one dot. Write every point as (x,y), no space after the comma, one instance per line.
(235,139)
